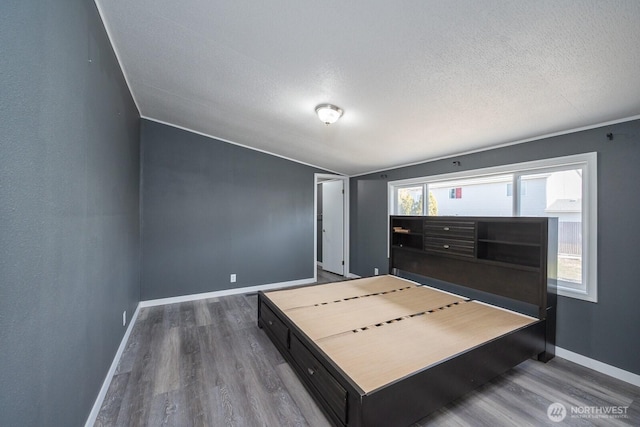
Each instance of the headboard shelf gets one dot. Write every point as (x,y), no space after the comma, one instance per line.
(510,257)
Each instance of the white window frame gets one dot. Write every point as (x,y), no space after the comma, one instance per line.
(587,161)
(394,201)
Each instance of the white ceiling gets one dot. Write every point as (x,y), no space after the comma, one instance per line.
(417,79)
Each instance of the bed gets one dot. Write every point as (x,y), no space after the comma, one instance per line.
(386,350)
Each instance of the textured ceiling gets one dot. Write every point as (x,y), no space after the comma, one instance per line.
(417,79)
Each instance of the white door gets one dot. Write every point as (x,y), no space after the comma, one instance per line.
(333,226)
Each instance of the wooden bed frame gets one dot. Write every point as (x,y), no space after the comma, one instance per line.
(492,268)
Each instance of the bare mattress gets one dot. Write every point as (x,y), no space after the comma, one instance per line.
(381,329)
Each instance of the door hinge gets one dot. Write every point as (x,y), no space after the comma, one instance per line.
(343,191)
(342,262)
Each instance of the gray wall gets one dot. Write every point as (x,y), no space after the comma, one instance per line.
(607,331)
(69,217)
(211,208)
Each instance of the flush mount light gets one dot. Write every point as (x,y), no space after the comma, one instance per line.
(328,113)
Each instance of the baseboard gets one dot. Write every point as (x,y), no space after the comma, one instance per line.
(596,365)
(93,415)
(225,292)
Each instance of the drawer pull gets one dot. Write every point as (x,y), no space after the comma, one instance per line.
(311,371)
(445,246)
(270,322)
(446,229)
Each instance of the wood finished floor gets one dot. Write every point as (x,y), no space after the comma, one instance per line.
(206,363)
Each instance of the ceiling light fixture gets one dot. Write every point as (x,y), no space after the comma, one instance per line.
(328,113)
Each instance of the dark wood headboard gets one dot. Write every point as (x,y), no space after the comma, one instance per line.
(511,257)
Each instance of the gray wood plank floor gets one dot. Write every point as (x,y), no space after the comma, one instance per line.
(327,276)
(206,363)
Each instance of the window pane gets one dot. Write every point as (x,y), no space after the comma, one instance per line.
(482,196)
(409,200)
(559,194)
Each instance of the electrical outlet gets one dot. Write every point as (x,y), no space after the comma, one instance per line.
(124,318)
(233,278)
(375,271)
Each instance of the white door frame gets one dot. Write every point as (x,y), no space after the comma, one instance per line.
(319,178)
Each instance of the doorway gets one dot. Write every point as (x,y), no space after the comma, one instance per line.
(332,231)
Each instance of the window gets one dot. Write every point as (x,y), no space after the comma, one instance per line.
(409,200)
(562,187)
(455,193)
(448,194)
(523,189)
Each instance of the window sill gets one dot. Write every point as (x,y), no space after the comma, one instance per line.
(577,294)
